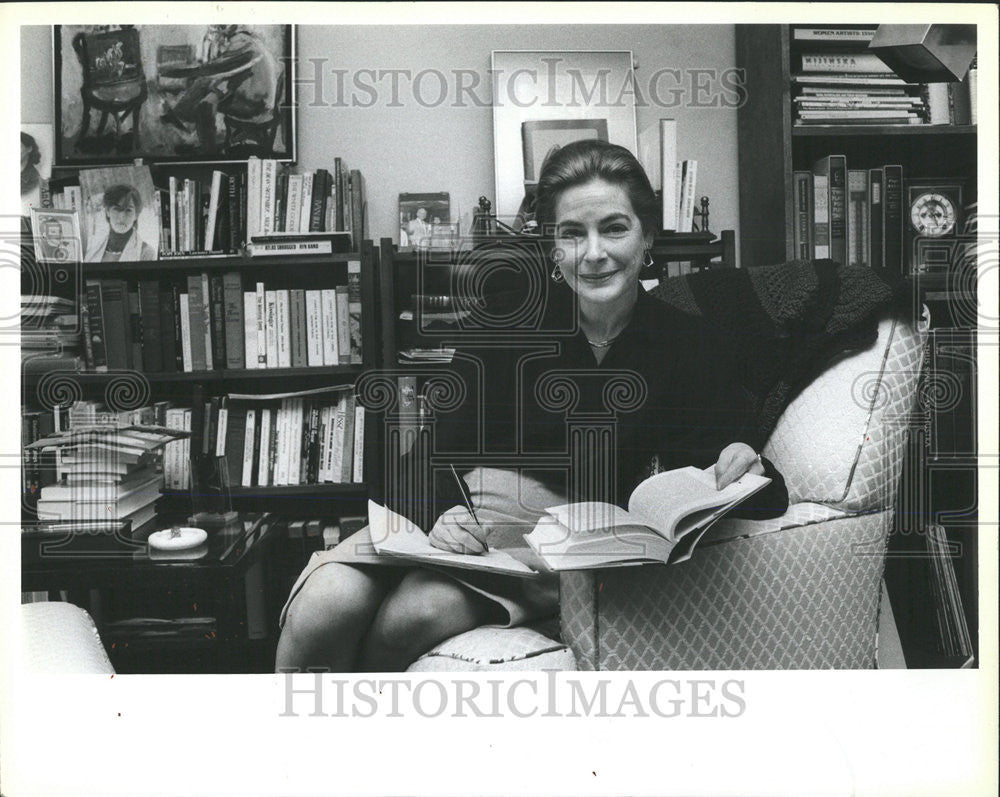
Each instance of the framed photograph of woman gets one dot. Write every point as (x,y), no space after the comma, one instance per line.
(173,93)
(36,164)
(119,219)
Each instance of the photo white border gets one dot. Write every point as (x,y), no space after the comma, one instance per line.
(900,732)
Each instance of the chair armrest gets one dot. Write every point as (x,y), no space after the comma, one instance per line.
(799,598)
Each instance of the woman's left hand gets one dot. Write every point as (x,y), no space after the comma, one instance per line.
(735,460)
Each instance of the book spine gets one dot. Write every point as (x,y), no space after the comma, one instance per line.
(232,288)
(821,216)
(343,326)
(187,354)
(168,334)
(221,441)
(261,325)
(838,208)
(690,187)
(281,201)
(803,249)
(668,168)
(114,300)
(152,337)
(234,232)
(95,325)
(218,316)
(354,310)
(267,195)
(298,326)
(271,328)
(337,448)
(206,319)
(236,442)
(283,324)
(249,434)
(357,209)
(242,199)
(294,197)
(892,219)
(255,446)
(358,468)
(338,193)
(253,209)
(322,473)
(196,322)
(134,328)
(305,418)
(320,189)
(835,34)
(264,454)
(250,329)
(174,244)
(852,63)
(857,235)
(281,464)
(331,349)
(314,328)
(213,209)
(295,406)
(347,463)
(312,450)
(875,218)
(305,203)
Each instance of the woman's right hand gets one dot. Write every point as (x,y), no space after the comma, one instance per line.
(457,531)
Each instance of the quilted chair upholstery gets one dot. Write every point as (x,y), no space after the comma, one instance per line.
(800,591)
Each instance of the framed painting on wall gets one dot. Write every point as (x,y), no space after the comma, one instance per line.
(173,93)
(544,99)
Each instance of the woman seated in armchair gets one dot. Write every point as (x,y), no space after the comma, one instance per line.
(350,611)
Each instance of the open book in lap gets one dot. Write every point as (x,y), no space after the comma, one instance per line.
(398,537)
(667,514)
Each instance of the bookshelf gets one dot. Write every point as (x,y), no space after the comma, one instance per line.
(306,272)
(940,481)
(771,148)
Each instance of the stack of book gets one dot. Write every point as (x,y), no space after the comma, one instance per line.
(309,437)
(103,472)
(50,335)
(267,201)
(216,321)
(839,83)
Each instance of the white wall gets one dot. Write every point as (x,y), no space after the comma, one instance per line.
(445,148)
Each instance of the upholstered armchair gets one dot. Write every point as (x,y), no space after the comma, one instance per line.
(800,591)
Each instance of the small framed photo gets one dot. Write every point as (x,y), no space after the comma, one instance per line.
(934,217)
(418,213)
(56,235)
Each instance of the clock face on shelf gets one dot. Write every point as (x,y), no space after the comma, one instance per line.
(932,214)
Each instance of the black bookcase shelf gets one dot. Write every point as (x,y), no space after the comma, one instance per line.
(861,131)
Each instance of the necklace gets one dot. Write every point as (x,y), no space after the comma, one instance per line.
(603,344)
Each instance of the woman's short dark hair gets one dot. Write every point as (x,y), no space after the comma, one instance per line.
(580,162)
(115,195)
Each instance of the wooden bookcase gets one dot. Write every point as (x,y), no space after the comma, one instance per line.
(940,482)
(300,271)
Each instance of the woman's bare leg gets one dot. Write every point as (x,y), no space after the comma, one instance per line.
(330,616)
(426,608)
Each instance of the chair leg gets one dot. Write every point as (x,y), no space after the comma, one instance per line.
(84,124)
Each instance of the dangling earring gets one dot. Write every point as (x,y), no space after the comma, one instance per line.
(557,275)
(648,262)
